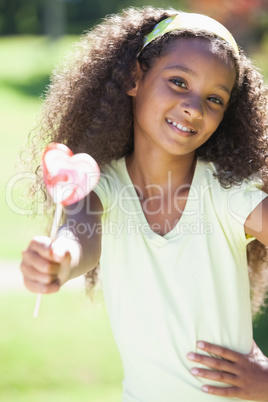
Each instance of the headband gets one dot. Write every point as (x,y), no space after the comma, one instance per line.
(190,21)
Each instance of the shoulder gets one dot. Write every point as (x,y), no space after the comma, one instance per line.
(113,176)
(243,205)
(209,172)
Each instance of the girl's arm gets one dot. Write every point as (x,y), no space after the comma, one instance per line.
(75,251)
(83,227)
(256,224)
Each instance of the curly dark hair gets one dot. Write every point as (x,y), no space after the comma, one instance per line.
(88,109)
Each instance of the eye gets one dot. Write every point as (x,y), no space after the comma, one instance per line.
(179,83)
(215,100)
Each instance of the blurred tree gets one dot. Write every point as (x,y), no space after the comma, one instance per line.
(20,16)
(51,17)
(246,19)
(54,18)
(83,14)
(177,4)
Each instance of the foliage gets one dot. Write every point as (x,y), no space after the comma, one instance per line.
(247,20)
(55,17)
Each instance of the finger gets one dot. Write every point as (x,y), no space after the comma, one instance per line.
(40,263)
(231,392)
(219,376)
(37,276)
(225,353)
(213,362)
(41,245)
(37,287)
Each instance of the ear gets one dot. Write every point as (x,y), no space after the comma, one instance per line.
(138,73)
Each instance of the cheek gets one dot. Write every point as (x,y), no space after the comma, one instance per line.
(147,107)
(216,119)
(212,126)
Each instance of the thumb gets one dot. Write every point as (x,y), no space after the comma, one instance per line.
(64,274)
(59,249)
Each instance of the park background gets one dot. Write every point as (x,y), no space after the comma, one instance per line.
(68,353)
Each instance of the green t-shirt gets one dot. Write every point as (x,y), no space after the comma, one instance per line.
(163,293)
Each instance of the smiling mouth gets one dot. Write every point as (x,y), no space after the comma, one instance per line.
(181,127)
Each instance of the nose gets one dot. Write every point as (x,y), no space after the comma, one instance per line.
(193,106)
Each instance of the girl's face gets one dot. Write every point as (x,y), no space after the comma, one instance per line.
(179,103)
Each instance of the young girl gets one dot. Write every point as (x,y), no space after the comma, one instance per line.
(176,116)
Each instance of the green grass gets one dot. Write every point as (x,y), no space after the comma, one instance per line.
(66,354)
(26,64)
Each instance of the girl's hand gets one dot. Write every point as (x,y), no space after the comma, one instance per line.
(45,266)
(246,374)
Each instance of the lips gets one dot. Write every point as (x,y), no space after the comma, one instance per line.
(182,127)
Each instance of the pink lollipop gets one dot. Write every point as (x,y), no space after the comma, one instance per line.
(68,179)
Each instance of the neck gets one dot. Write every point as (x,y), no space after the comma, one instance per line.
(160,170)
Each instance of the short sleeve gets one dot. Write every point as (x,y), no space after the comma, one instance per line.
(107,188)
(241,201)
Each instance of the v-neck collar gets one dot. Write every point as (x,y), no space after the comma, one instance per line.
(185,219)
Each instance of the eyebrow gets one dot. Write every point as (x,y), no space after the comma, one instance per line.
(193,74)
(182,68)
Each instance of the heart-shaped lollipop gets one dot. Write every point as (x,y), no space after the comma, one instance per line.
(68,177)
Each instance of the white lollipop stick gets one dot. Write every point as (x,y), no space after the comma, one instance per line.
(53,233)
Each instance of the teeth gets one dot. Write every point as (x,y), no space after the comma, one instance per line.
(179,126)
